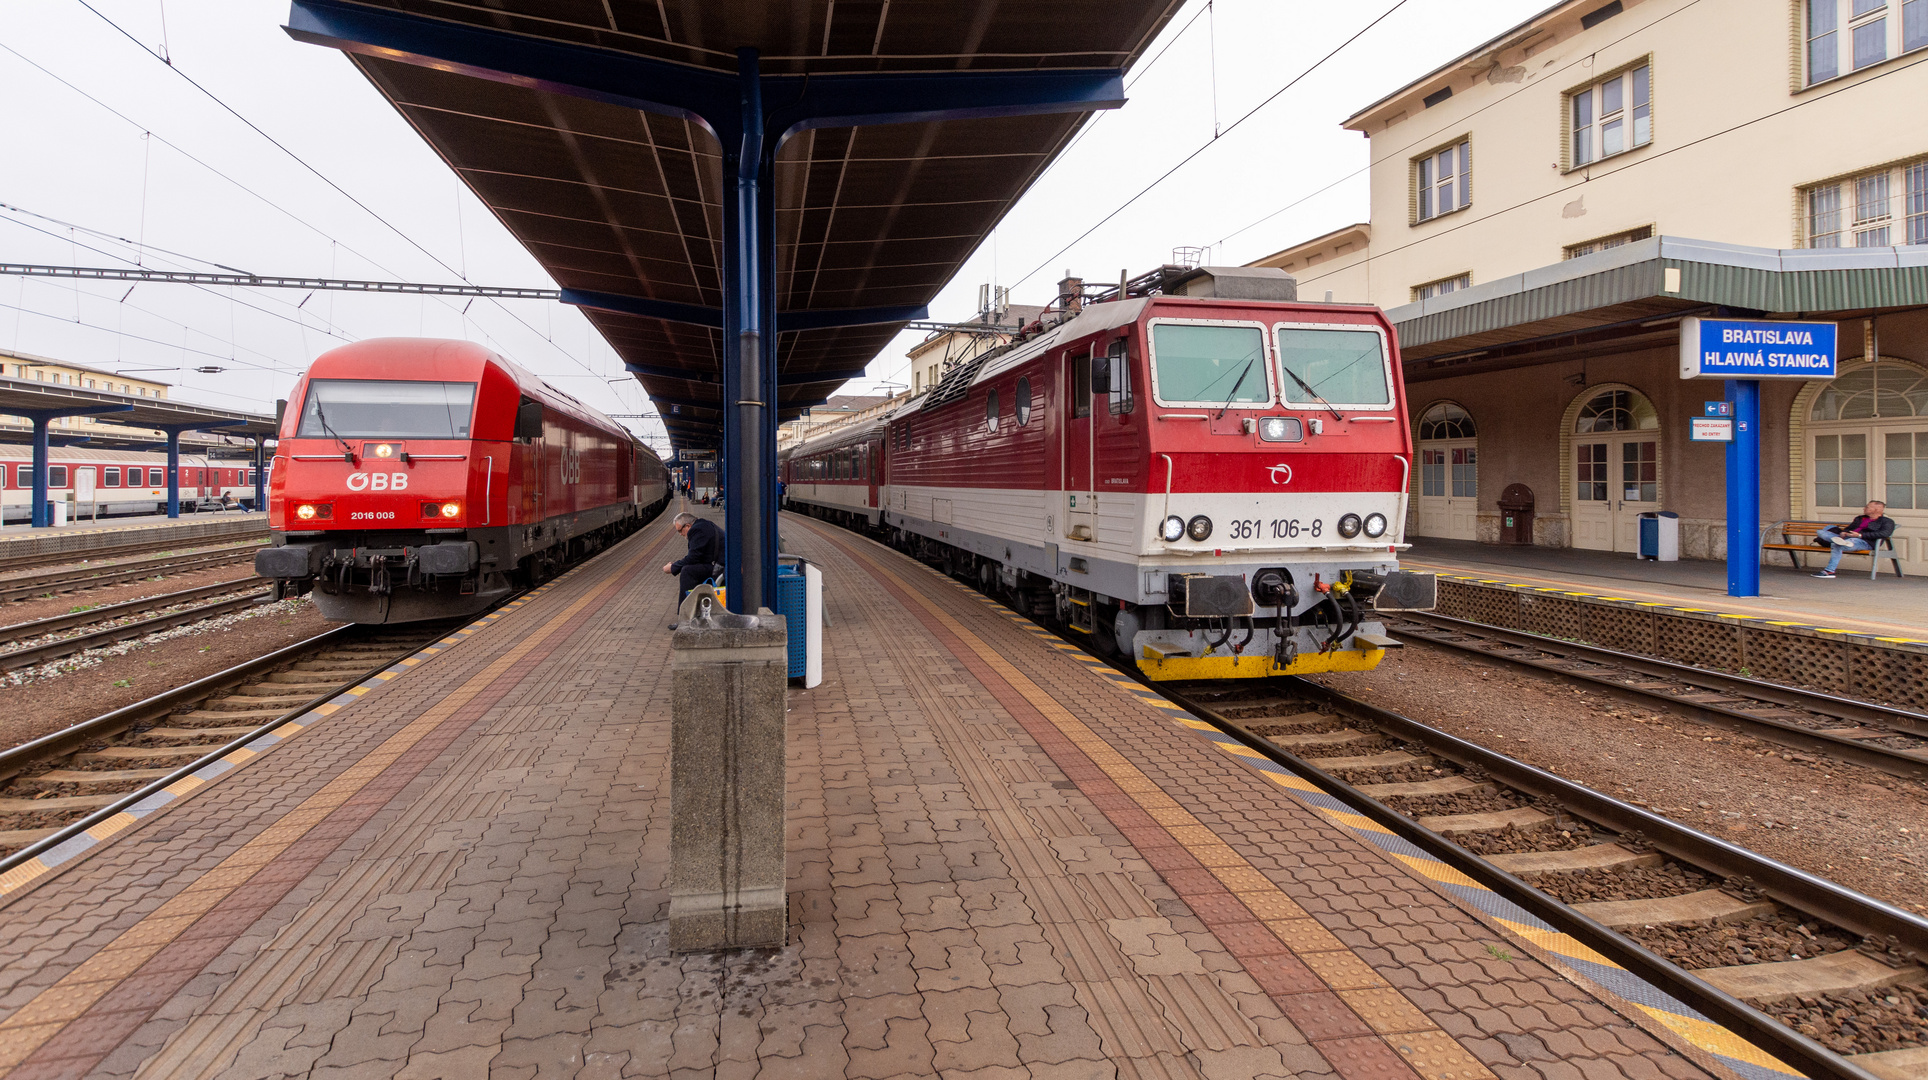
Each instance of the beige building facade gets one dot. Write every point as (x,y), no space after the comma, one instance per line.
(1545,210)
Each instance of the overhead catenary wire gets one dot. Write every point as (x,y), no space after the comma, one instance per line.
(298,159)
(1462,118)
(1214,140)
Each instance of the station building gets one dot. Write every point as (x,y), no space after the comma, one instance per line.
(1548,207)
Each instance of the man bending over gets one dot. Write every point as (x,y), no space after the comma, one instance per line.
(699,565)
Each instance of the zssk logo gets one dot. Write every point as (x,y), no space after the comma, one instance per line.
(1281,474)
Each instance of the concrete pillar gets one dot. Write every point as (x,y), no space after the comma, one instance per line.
(729,674)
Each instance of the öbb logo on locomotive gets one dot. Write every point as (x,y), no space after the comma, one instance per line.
(362,481)
(1198,474)
(502,481)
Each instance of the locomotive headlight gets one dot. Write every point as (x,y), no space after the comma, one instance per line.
(383,450)
(306,511)
(1199,528)
(450,510)
(1281,429)
(1172,529)
(1349,526)
(1375,525)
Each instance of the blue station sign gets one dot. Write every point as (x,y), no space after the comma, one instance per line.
(1746,349)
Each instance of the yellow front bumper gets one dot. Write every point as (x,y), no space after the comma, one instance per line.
(1176,668)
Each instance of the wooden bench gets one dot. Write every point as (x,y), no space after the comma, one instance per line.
(1797,538)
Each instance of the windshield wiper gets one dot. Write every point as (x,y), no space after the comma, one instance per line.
(1236,387)
(347,451)
(1308,389)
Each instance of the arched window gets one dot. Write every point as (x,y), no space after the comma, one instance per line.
(1023,402)
(1446,421)
(1616,410)
(1870,438)
(990,411)
(1873,392)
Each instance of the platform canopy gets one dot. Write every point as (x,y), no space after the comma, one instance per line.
(128,420)
(596,130)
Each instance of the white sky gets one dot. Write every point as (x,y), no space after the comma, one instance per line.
(180,173)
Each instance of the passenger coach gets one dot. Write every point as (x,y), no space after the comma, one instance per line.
(420,479)
(1210,481)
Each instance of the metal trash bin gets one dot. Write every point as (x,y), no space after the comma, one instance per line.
(1516,514)
(1660,536)
(800,602)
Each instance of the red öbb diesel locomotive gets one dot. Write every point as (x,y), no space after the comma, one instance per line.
(1204,475)
(423,479)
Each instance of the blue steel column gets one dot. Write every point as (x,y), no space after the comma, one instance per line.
(1744,490)
(772,340)
(750,563)
(260,485)
(42,513)
(173,472)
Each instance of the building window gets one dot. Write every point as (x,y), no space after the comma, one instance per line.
(1574,251)
(1612,116)
(1445,181)
(1443,286)
(1848,35)
(1879,208)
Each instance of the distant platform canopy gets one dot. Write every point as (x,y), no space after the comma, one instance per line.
(122,421)
(603,136)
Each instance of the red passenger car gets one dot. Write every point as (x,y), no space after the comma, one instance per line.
(421,479)
(1208,479)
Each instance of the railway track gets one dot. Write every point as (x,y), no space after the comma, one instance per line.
(10,563)
(72,578)
(1812,972)
(64,783)
(1892,740)
(176,609)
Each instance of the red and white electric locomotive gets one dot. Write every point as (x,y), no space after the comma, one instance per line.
(423,479)
(1210,481)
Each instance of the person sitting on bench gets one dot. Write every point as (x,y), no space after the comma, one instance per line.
(1861,534)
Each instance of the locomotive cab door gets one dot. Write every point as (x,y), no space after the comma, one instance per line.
(1080,493)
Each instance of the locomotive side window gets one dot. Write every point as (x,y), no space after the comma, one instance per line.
(1119,364)
(528,420)
(1209,365)
(990,411)
(1023,402)
(1346,368)
(1081,385)
(386,408)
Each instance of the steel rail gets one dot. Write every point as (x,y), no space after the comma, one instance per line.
(1892,760)
(70,739)
(54,650)
(99,726)
(24,631)
(119,573)
(10,563)
(1793,887)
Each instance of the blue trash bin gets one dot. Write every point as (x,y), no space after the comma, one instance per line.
(790,605)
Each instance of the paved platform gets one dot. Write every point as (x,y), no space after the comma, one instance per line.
(1005,861)
(21,530)
(1885,606)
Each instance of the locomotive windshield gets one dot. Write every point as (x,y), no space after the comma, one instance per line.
(386,409)
(1335,367)
(1209,365)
